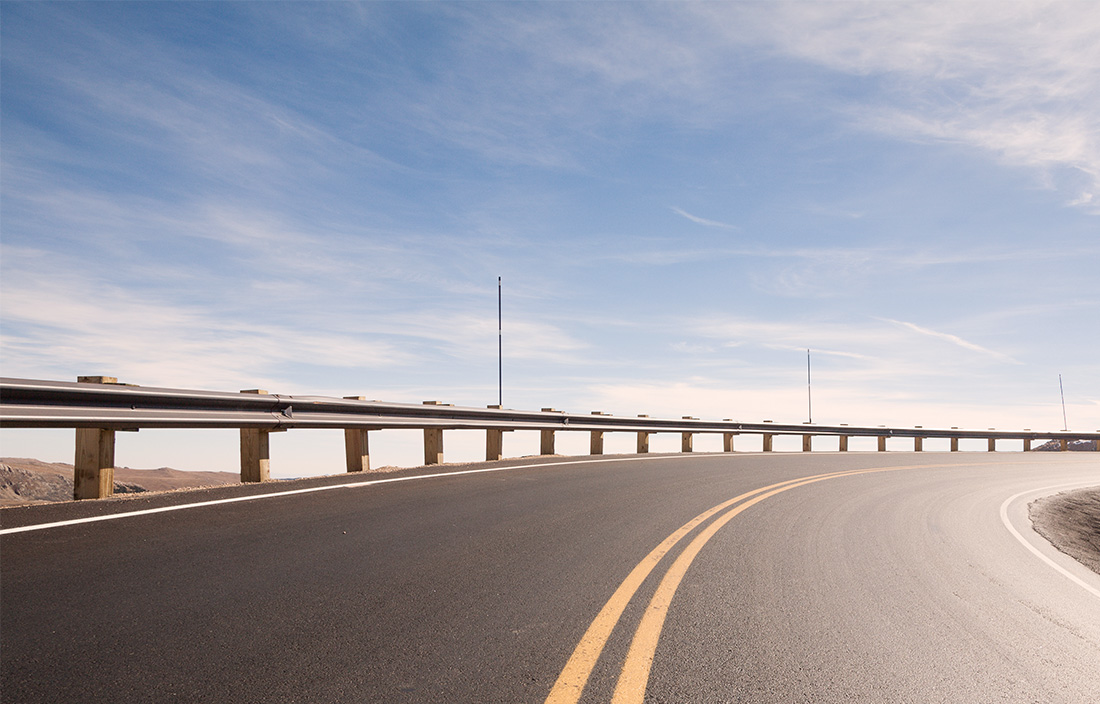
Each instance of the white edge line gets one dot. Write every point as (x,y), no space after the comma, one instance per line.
(1027,544)
(347,485)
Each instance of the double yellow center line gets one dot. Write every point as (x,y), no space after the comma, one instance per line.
(635,672)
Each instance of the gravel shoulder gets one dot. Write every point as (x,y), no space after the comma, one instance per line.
(1071,522)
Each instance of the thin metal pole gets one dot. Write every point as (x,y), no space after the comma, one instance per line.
(1065,423)
(809,394)
(500,348)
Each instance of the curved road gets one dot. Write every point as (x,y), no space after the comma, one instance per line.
(704,578)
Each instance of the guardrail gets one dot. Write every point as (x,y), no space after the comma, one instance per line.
(99,406)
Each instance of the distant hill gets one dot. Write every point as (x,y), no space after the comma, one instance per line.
(1073,446)
(29,481)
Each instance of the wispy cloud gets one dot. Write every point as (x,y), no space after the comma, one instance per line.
(1020,82)
(702,221)
(953,339)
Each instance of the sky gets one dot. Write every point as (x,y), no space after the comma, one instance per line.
(680,200)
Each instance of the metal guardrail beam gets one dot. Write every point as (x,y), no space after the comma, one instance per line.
(98,407)
(28,403)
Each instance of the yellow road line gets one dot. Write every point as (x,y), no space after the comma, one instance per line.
(634,676)
(574,676)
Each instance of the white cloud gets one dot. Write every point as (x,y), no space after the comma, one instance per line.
(1016,79)
(953,339)
(703,221)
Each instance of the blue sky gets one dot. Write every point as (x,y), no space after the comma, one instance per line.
(681,198)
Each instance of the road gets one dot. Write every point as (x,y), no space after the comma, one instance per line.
(900,579)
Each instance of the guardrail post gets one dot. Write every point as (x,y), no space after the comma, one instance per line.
(807,443)
(546,446)
(1027,444)
(255,450)
(918,441)
(494,442)
(433,441)
(356,446)
(882,443)
(643,439)
(992,444)
(595,445)
(255,455)
(94,464)
(727,439)
(686,437)
(843,443)
(1064,445)
(94,468)
(767,442)
(357,449)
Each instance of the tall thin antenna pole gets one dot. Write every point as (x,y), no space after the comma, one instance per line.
(500,348)
(809,391)
(1065,423)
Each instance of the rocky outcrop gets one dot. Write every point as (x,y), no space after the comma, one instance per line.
(22,486)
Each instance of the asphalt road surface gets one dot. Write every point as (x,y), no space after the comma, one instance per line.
(661,579)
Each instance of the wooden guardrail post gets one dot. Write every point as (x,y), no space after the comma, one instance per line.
(992,443)
(727,438)
(807,443)
(433,441)
(882,443)
(546,444)
(94,468)
(686,437)
(94,464)
(595,444)
(767,442)
(357,449)
(918,442)
(643,439)
(494,441)
(1064,445)
(843,443)
(255,450)
(1027,444)
(356,445)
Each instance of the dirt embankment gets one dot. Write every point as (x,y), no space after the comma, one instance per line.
(29,481)
(1071,522)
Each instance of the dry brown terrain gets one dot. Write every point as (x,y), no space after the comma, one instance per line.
(1071,522)
(30,481)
